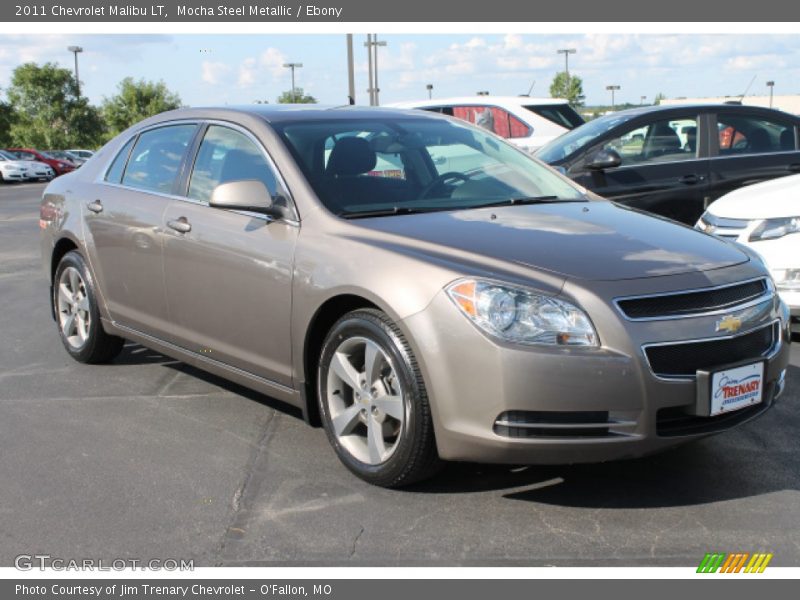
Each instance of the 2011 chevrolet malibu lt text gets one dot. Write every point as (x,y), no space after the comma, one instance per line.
(423,289)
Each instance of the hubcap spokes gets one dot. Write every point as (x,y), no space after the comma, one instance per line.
(72,303)
(365,401)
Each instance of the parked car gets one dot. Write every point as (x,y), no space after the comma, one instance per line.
(26,170)
(766,217)
(675,160)
(526,122)
(500,315)
(12,169)
(59,166)
(84,154)
(65,156)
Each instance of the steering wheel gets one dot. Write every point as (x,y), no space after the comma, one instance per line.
(448,176)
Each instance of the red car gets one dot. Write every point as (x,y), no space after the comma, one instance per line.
(59,166)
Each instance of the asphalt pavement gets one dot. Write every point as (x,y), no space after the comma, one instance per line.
(148,458)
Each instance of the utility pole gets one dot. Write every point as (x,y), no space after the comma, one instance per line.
(612,89)
(372,45)
(566,52)
(293,66)
(76,50)
(351,79)
(371,89)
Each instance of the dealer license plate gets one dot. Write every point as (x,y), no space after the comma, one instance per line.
(737,388)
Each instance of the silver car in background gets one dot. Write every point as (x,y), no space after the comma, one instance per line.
(495,313)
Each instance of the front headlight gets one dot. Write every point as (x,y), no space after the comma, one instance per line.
(771,229)
(520,316)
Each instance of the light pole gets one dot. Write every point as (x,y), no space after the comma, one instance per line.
(566,52)
(351,78)
(770,85)
(482,93)
(429,87)
(643,98)
(293,66)
(75,50)
(612,89)
(372,45)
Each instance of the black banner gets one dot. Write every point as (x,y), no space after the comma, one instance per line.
(498,11)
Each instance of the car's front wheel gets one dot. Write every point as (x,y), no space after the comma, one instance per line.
(373,402)
(77,315)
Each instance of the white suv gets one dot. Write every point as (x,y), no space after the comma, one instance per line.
(766,217)
(527,122)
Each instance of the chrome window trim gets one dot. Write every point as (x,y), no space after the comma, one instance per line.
(768,293)
(768,355)
(771,153)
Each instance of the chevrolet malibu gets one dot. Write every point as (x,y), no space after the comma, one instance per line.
(496,313)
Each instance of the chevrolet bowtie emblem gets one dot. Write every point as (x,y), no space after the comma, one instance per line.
(729,323)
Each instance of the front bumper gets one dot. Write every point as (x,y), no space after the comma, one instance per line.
(601,404)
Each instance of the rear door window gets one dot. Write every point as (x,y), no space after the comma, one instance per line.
(494,119)
(156,158)
(754,134)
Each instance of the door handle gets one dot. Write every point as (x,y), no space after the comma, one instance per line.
(180,224)
(95,207)
(794,168)
(691,179)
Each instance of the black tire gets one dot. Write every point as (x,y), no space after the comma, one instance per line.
(98,347)
(414,457)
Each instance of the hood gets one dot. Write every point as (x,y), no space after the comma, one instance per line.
(765,200)
(579,240)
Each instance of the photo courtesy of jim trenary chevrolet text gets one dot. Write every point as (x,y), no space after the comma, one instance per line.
(352,299)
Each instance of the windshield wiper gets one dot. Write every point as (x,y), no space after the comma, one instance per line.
(516,201)
(381,212)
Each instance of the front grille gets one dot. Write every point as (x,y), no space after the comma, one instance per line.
(674,421)
(552,424)
(685,359)
(676,305)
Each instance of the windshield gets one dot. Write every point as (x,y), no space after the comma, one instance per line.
(564,145)
(401,165)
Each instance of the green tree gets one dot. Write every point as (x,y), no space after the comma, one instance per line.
(6,119)
(137,100)
(659,97)
(571,89)
(48,111)
(298,97)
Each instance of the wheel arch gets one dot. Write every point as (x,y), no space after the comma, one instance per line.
(320,324)
(62,246)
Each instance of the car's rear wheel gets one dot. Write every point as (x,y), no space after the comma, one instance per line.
(373,401)
(78,318)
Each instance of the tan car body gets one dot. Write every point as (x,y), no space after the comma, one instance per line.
(250,298)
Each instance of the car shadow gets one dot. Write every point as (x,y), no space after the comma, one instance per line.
(136,354)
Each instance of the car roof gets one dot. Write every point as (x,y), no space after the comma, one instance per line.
(496,100)
(277,113)
(699,106)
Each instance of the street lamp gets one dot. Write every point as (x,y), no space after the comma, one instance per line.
(75,50)
(482,93)
(566,52)
(612,89)
(372,45)
(429,87)
(643,98)
(293,66)
(770,85)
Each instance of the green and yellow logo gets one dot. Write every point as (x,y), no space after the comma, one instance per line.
(740,562)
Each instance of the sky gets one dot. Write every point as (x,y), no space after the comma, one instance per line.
(241,69)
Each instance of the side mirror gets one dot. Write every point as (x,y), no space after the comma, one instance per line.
(250,195)
(605,159)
